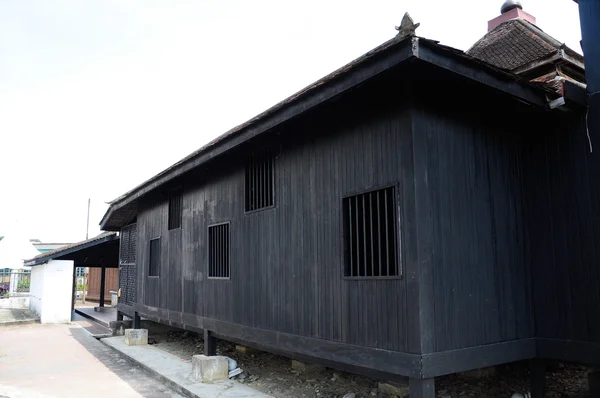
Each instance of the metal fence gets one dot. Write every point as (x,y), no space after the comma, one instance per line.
(14,281)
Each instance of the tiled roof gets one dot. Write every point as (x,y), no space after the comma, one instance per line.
(513,44)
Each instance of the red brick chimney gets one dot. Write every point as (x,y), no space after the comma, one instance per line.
(511,9)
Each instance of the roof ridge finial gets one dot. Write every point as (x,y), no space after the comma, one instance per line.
(509,5)
(407,27)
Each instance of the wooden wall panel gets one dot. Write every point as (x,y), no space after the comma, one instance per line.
(111,283)
(286,262)
(471,239)
(563,218)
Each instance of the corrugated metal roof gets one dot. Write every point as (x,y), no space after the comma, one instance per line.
(43,257)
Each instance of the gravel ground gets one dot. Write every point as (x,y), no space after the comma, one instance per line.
(273,375)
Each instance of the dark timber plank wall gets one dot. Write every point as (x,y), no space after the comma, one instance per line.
(475,273)
(564,228)
(287,261)
(498,221)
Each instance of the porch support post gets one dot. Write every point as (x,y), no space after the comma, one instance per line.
(119,316)
(210,344)
(102,285)
(422,388)
(538,378)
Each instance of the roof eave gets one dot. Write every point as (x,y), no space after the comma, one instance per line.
(398,52)
(60,252)
(388,55)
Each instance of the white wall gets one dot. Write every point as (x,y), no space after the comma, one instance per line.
(51,291)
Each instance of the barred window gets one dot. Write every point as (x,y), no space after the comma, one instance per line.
(370,236)
(154,261)
(218,251)
(259,182)
(175,211)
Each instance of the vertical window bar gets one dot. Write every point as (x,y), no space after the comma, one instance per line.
(350,227)
(256,193)
(212,251)
(263,196)
(387,238)
(247,180)
(371,222)
(222,250)
(379,229)
(357,237)
(227,251)
(364,237)
(270,191)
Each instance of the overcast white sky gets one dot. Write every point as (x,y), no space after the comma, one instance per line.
(98,96)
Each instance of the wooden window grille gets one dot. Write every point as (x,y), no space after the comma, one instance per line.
(259,182)
(175,211)
(370,234)
(154,263)
(218,251)
(128,239)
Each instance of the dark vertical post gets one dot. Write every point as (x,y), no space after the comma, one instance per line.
(422,388)
(538,378)
(589,15)
(102,285)
(74,292)
(119,316)
(594,382)
(136,320)
(210,344)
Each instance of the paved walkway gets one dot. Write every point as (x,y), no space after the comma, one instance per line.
(95,329)
(102,317)
(16,316)
(66,361)
(176,371)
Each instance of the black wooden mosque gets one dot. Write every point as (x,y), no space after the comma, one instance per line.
(418,212)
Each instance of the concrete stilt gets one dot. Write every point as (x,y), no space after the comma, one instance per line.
(136,320)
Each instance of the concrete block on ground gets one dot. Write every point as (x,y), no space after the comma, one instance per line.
(118,327)
(206,369)
(479,373)
(136,336)
(394,390)
(245,350)
(306,367)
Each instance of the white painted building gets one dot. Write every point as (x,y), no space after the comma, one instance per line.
(51,291)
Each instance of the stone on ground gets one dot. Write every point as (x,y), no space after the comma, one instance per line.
(306,367)
(394,390)
(206,369)
(245,350)
(136,336)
